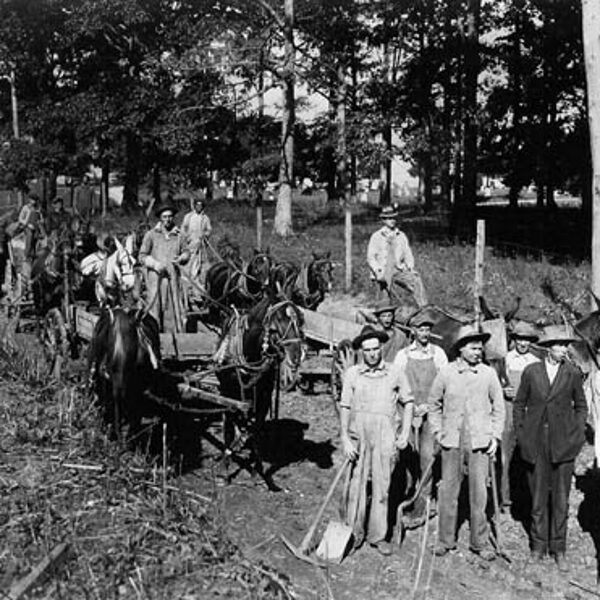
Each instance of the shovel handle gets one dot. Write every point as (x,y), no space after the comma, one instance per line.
(304,545)
(495,500)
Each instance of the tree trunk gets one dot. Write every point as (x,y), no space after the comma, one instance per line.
(458,215)
(156,183)
(471,75)
(517,82)
(132,171)
(283,212)
(591,46)
(341,163)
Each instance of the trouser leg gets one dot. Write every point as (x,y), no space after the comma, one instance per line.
(539,482)
(426,456)
(355,495)
(411,281)
(479,465)
(507,449)
(382,464)
(560,482)
(448,498)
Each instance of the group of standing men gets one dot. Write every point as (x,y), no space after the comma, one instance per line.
(396,398)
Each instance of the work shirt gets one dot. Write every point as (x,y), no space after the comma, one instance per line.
(397,340)
(389,250)
(196,227)
(375,390)
(552,370)
(470,397)
(162,246)
(515,364)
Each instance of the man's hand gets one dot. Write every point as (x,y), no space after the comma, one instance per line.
(420,410)
(349,449)
(493,446)
(509,391)
(401,441)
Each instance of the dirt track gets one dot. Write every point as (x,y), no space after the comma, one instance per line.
(304,466)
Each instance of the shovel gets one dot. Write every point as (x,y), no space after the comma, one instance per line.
(331,541)
(498,537)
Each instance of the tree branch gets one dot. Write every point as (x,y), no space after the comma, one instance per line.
(272,12)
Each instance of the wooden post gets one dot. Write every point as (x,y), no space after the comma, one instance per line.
(348,239)
(479,262)
(259,225)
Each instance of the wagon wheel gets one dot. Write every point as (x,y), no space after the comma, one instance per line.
(55,340)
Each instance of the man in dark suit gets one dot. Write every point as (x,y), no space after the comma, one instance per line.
(549,415)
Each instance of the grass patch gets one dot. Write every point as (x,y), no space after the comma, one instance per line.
(130,535)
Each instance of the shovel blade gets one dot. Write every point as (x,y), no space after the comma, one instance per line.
(335,542)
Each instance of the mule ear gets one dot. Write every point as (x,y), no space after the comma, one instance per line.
(256,251)
(118,243)
(129,243)
(511,314)
(268,250)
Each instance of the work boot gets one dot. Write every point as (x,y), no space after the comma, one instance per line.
(484,554)
(384,548)
(561,563)
(536,557)
(442,550)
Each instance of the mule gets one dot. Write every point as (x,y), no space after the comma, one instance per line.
(123,359)
(253,348)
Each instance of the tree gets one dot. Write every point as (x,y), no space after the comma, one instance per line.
(591,43)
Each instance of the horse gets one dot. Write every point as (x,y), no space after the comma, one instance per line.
(307,285)
(123,360)
(232,282)
(253,347)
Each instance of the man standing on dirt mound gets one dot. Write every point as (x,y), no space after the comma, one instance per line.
(162,251)
(385,313)
(372,393)
(391,260)
(466,414)
(549,415)
(421,361)
(517,359)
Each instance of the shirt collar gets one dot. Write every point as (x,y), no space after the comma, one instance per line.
(418,348)
(463,365)
(382,367)
(159,227)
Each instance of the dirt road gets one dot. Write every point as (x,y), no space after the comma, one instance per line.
(303,455)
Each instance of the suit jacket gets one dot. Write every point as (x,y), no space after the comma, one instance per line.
(562,405)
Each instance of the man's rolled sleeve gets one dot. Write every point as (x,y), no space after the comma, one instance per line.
(348,384)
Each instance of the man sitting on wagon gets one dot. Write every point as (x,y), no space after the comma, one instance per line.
(58,219)
(162,251)
(92,269)
(391,260)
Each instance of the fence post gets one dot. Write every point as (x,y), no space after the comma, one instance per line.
(479,263)
(348,243)
(259,225)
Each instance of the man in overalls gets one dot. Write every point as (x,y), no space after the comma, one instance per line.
(421,361)
(196,229)
(163,249)
(385,313)
(519,357)
(371,435)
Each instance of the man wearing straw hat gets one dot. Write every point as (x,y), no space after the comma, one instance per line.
(518,357)
(421,361)
(466,413)
(371,435)
(163,249)
(549,415)
(385,313)
(391,260)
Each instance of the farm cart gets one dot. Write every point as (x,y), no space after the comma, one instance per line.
(189,388)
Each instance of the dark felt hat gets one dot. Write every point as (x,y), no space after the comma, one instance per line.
(166,205)
(388,212)
(384,306)
(368,332)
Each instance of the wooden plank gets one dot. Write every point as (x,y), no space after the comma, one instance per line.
(181,346)
(191,392)
(327,329)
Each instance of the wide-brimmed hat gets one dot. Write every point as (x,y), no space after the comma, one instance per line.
(421,320)
(470,332)
(384,306)
(524,331)
(166,205)
(368,332)
(388,212)
(553,334)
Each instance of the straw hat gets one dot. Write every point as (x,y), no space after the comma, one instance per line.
(557,334)
(524,331)
(421,320)
(368,332)
(470,333)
